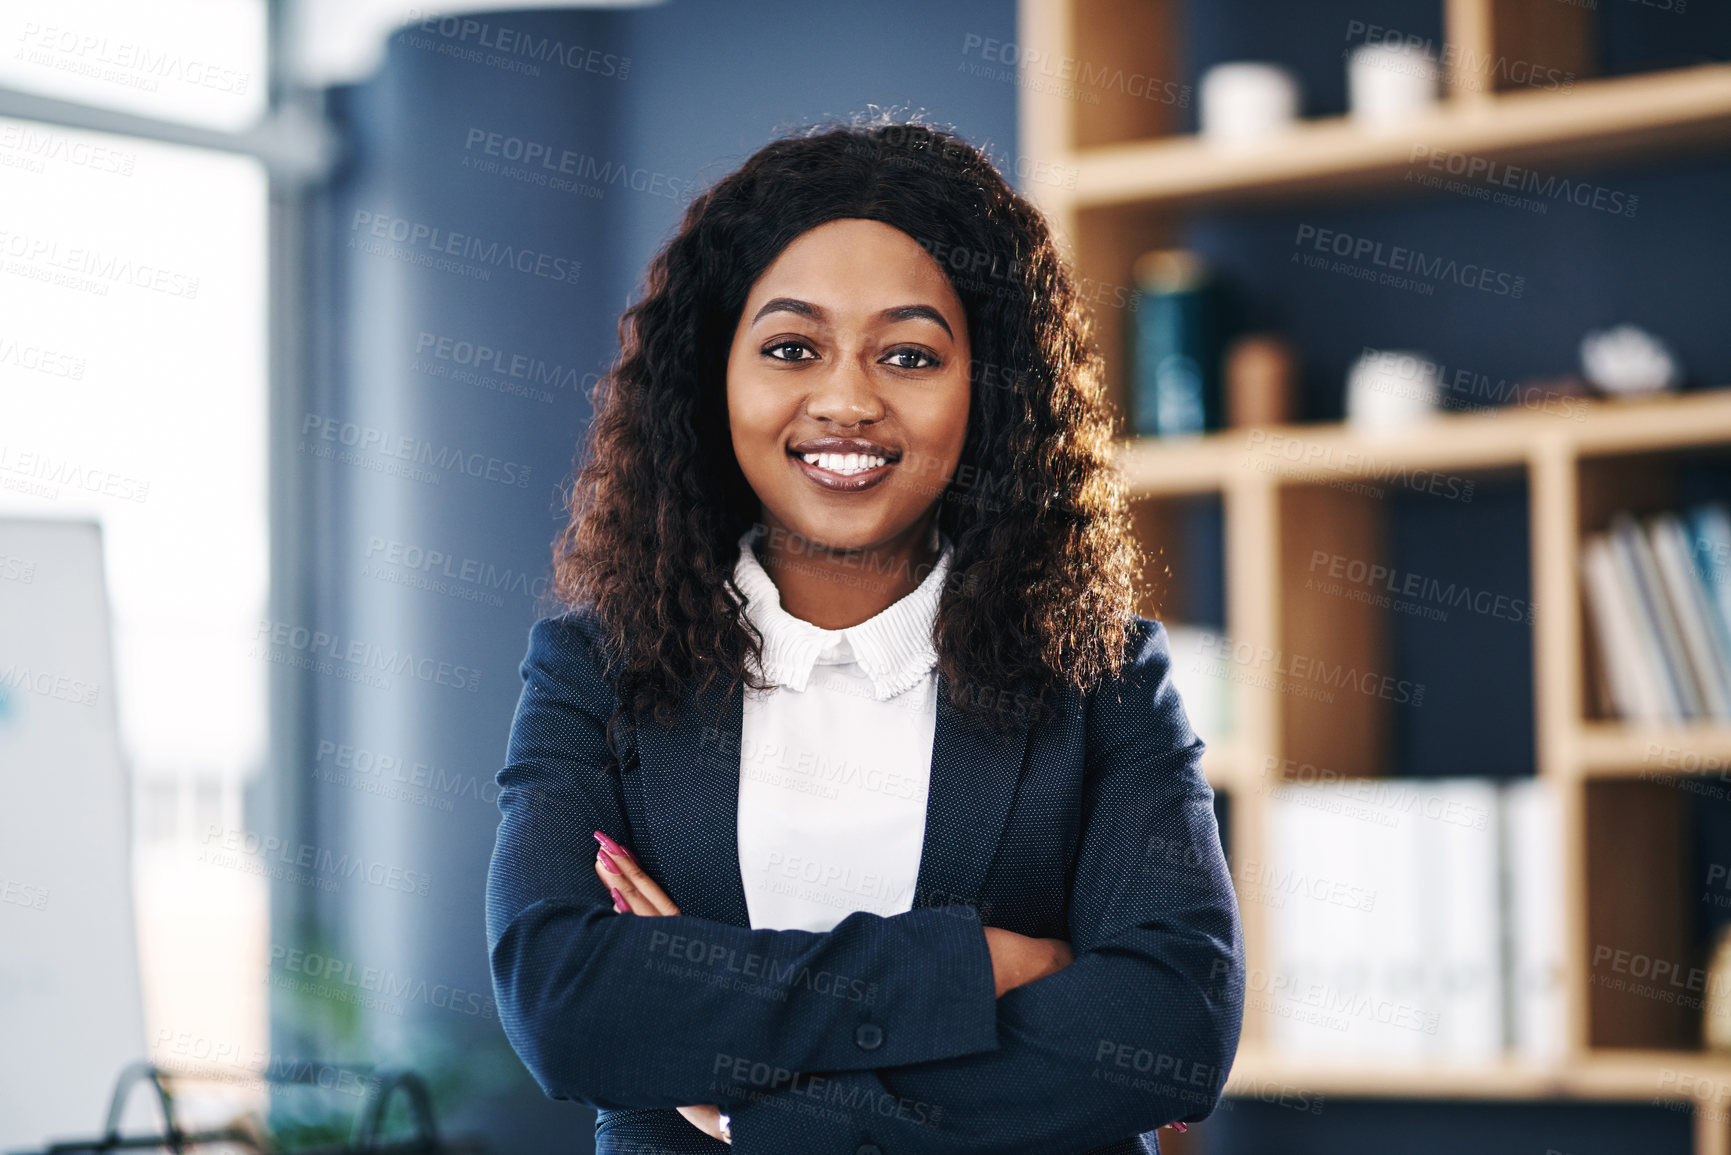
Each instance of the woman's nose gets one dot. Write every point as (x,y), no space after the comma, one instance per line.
(845,395)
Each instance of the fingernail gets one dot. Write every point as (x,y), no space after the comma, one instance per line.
(607,862)
(614,848)
(619,903)
(1181,1126)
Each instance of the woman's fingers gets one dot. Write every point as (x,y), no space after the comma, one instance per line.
(706,1118)
(626,898)
(642,894)
(621,901)
(624,894)
(641,891)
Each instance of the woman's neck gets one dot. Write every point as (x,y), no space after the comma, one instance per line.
(836,589)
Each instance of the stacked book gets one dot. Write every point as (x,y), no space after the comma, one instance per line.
(1411,920)
(1658,594)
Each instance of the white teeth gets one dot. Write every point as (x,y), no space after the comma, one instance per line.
(844,463)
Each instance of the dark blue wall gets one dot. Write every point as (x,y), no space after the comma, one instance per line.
(712,82)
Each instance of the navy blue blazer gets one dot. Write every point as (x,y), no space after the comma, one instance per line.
(881,1036)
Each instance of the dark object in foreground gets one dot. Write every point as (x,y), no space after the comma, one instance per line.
(363,1137)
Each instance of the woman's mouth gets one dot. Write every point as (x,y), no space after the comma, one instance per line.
(844,469)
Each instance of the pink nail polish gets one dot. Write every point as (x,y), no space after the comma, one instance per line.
(607,863)
(614,848)
(619,903)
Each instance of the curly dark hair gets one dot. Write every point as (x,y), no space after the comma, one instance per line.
(1043,575)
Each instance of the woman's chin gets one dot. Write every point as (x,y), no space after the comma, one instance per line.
(827,535)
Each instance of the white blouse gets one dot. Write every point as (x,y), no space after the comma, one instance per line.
(835,759)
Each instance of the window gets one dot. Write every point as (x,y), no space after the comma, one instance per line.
(133,390)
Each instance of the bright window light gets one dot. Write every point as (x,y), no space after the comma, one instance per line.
(196,61)
(133,393)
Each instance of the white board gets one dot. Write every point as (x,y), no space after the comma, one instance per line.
(71,1011)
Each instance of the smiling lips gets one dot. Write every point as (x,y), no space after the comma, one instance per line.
(844,464)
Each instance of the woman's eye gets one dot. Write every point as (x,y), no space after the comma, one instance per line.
(921,359)
(778,350)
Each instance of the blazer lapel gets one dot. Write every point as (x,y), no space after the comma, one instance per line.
(691,800)
(975,770)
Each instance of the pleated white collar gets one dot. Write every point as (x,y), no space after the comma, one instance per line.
(894,648)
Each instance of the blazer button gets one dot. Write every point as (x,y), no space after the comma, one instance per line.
(870,1037)
(868,1149)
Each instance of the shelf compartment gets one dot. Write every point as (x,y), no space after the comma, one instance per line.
(1639,922)
(1394,602)
(1641,480)
(1346,732)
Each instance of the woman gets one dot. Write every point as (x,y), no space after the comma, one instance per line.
(903,843)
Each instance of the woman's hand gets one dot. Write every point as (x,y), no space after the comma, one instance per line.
(1018,959)
(634,892)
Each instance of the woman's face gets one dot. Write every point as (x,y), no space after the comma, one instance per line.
(847,386)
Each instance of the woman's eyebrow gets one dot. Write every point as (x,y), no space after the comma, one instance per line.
(818,313)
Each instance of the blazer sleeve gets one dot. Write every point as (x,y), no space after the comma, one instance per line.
(1137,1032)
(615,1010)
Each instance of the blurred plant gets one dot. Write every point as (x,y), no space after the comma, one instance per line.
(464,1059)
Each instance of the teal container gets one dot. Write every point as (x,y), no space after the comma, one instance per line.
(1175,361)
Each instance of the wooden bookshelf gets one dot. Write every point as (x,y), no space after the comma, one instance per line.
(1133,180)
(1121,178)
